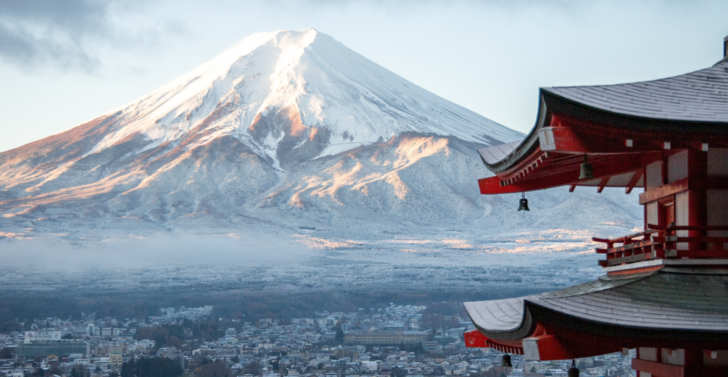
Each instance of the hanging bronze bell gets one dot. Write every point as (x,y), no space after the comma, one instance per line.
(506,361)
(573,371)
(523,204)
(586,170)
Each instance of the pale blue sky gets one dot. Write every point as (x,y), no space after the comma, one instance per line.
(64,63)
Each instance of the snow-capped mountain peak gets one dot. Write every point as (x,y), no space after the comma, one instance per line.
(290,89)
(284,129)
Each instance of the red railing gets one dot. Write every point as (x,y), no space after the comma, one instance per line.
(664,243)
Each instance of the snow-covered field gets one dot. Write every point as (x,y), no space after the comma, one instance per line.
(290,162)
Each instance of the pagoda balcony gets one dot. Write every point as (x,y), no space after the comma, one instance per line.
(671,242)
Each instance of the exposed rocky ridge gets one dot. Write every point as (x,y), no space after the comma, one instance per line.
(285,132)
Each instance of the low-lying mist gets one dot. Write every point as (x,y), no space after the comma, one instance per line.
(160,250)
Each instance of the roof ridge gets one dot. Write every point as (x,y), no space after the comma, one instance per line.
(721,61)
(634,82)
(603,283)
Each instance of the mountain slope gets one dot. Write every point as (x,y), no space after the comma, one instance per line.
(283,90)
(285,130)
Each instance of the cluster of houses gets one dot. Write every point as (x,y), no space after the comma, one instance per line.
(392,341)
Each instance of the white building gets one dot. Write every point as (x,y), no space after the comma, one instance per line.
(41,336)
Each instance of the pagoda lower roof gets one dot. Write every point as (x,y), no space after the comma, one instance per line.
(669,299)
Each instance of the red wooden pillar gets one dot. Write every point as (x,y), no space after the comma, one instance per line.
(637,357)
(693,362)
(698,194)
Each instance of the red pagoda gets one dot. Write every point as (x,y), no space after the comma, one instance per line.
(665,291)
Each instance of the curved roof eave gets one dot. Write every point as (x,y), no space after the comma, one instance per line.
(696,99)
(510,319)
(650,301)
(517,150)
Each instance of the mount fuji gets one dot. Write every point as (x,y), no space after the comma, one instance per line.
(290,133)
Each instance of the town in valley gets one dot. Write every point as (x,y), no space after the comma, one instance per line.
(388,341)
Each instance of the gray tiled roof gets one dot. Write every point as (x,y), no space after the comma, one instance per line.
(496,153)
(700,96)
(661,300)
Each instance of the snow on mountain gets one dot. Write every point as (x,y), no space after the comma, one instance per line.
(285,89)
(287,132)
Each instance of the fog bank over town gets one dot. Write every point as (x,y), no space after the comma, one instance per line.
(58,255)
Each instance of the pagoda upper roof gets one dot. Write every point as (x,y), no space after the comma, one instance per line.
(700,96)
(669,299)
(695,102)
